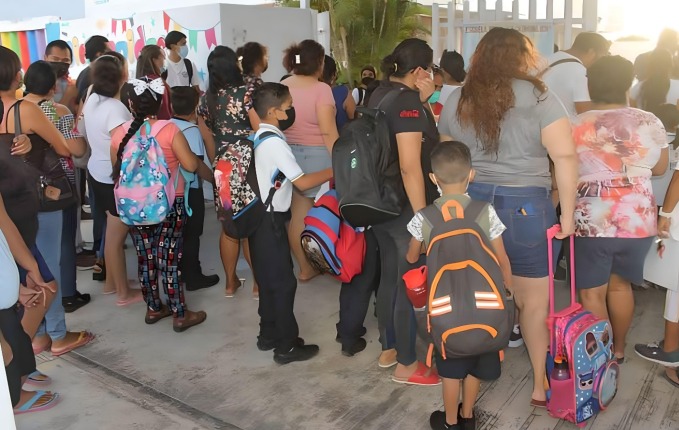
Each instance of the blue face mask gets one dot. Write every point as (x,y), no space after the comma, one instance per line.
(184,51)
(435,97)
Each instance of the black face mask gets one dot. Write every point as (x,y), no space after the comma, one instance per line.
(367,80)
(284,124)
(60,69)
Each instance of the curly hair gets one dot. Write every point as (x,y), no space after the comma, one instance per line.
(502,56)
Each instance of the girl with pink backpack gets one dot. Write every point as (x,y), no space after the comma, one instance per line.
(150,159)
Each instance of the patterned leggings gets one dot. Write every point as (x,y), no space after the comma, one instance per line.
(159,250)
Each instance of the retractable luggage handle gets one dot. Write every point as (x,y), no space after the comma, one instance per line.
(551,234)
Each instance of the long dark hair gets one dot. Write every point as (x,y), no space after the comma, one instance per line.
(654,89)
(143,105)
(304,58)
(107,74)
(407,56)
(145,66)
(252,54)
(224,72)
(10,65)
(329,70)
(501,56)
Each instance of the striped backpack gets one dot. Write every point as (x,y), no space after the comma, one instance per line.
(332,245)
(144,192)
(468,312)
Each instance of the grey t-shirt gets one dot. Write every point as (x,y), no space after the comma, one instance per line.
(521,159)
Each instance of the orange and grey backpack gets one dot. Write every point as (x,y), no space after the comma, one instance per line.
(468,311)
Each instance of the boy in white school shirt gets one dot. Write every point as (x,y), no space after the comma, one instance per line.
(269,248)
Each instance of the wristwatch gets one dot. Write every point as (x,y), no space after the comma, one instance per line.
(664,214)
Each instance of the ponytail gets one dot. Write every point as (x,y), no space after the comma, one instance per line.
(143,105)
(407,56)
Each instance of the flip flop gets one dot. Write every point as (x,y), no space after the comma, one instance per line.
(135,299)
(38,378)
(420,377)
(538,403)
(84,338)
(233,294)
(40,349)
(668,379)
(28,406)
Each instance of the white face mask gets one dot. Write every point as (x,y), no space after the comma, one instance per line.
(440,191)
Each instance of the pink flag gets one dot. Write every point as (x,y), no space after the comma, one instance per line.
(210,38)
(114,25)
(166,21)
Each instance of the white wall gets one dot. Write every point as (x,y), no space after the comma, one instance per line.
(276,28)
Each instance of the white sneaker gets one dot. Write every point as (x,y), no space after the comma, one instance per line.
(515,339)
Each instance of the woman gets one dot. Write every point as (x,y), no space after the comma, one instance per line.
(512,123)
(452,66)
(152,239)
(344,102)
(254,60)
(151,62)
(407,88)
(102,113)
(18,185)
(311,136)
(620,148)
(224,119)
(658,88)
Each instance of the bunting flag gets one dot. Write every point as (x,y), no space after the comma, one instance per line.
(193,40)
(210,38)
(166,21)
(209,34)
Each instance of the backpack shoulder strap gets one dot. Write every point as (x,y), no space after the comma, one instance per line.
(474,209)
(189,69)
(262,137)
(158,126)
(164,75)
(563,61)
(361,95)
(389,98)
(431,217)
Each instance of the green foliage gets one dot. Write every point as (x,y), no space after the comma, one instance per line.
(365,31)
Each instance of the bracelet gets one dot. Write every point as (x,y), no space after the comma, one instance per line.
(664,214)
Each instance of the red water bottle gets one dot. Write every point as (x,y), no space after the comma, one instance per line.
(416,286)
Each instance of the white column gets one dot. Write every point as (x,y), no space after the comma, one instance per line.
(499,13)
(451,42)
(466,16)
(303,4)
(550,9)
(435,31)
(533,9)
(515,10)
(590,15)
(482,10)
(568,24)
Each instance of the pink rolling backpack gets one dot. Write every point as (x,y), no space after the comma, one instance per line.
(581,368)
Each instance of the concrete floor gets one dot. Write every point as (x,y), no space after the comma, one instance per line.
(136,376)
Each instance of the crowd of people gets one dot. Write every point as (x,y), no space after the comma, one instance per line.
(567,141)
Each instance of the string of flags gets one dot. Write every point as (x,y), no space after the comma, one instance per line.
(209,34)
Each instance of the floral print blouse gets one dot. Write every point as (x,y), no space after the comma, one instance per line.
(253,83)
(616,150)
(226,115)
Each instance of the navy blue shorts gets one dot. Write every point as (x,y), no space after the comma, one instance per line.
(597,258)
(485,367)
(42,267)
(527,212)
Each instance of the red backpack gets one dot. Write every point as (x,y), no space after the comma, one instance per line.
(332,245)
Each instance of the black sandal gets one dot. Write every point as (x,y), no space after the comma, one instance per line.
(73,303)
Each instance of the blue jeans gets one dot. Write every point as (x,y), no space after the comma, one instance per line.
(527,212)
(49,243)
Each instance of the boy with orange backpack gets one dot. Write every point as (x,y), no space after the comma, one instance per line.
(466,259)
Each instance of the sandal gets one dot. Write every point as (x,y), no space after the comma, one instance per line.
(38,378)
(420,377)
(29,405)
(538,403)
(135,299)
(670,380)
(231,294)
(39,349)
(84,338)
(153,317)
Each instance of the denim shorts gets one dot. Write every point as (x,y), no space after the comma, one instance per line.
(311,159)
(42,267)
(527,212)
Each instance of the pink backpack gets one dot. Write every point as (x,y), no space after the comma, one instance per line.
(581,368)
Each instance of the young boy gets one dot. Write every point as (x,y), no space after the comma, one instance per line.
(181,72)
(452,172)
(269,249)
(184,103)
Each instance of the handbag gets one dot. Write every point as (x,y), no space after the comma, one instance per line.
(55,191)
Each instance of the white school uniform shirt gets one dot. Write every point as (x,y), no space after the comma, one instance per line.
(271,157)
(9,289)
(178,76)
(567,80)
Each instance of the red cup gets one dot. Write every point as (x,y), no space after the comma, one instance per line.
(416,286)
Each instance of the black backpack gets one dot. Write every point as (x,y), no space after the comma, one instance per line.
(367,179)
(189,70)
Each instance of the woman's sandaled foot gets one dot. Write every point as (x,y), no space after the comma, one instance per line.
(233,286)
(38,378)
(41,344)
(153,317)
(387,359)
(134,296)
(71,341)
(189,320)
(35,401)
(671,376)
(416,374)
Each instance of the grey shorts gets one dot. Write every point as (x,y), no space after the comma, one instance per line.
(311,159)
(597,258)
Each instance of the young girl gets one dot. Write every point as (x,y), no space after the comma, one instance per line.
(145,98)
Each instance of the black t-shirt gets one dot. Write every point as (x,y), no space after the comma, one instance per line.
(406,114)
(83,83)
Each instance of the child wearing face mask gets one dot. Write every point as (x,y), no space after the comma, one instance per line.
(452,172)
(181,72)
(271,260)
